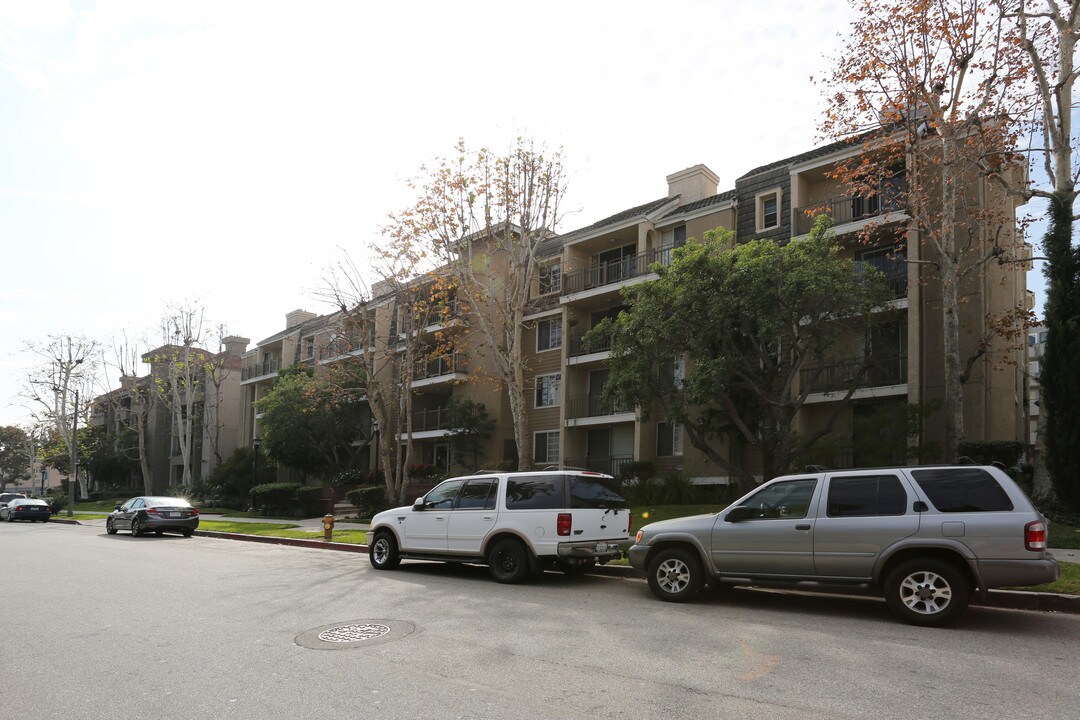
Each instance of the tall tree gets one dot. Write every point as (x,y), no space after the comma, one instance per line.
(469,426)
(485,215)
(934,87)
(1048,31)
(746,321)
(14,455)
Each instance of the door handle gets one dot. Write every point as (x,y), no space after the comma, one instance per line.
(802,527)
(440,519)
(489,517)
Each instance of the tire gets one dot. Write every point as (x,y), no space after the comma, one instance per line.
(188,532)
(383,553)
(109,527)
(675,575)
(159,533)
(927,592)
(576,568)
(136,531)
(508,562)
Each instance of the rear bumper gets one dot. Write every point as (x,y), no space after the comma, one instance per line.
(30,515)
(171,524)
(588,550)
(1018,573)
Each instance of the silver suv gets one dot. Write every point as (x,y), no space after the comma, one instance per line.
(514,522)
(924,537)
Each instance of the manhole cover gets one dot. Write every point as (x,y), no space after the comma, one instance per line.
(354,634)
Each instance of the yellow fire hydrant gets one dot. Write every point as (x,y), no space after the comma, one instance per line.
(328,527)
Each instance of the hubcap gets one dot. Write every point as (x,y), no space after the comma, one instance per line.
(507,561)
(673,575)
(925,593)
(382,550)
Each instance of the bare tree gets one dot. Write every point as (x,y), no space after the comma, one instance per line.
(484,215)
(141,396)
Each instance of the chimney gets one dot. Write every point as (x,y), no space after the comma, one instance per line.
(235,345)
(693,183)
(298,316)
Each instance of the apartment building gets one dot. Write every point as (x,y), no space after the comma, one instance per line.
(1036,344)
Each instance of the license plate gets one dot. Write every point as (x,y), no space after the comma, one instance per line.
(175,514)
(602,547)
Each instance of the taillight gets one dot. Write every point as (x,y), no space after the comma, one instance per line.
(193,511)
(563,524)
(155,511)
(20,507)
(1035,535)
(630,525)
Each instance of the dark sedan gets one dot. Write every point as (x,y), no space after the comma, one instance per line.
(24,508)
(154,514)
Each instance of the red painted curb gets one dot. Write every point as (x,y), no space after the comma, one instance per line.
(294,542)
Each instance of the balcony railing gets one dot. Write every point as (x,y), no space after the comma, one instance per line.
(849,208)
(580,345)
(442,315)
(832,378)
(338,347)
(592,406)
(609,465)
(432,419)
(439,366)
(254,370)
(610,273)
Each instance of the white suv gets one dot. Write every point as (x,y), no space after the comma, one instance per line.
(515,523)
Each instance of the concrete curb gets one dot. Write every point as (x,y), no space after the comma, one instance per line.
(1010,599)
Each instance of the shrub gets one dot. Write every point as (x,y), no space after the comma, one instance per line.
(368,500)
(57,501)
(637,470)
(311,500)
(988,452)
(276,498)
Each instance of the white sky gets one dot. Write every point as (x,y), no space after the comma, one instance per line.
(224,151)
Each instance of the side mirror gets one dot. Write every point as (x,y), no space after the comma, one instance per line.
(117,506)
(418,504)
(737,514)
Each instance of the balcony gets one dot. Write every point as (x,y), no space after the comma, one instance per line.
(338,347)
(594,406)
(429,420)
(838,377)
(269,366)
(612,273)
(439,370)
(445,314)
(849,208)
(580,345)
(611,465)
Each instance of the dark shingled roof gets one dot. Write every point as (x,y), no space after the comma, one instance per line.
(809,155)
(617,218)
(699,204)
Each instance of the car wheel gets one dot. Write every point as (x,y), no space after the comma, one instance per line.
(675,575)
(109,527)
(383,553)
(159,533)
(508,561)
(570,567)
(188,532)
(927,592)
(136,531)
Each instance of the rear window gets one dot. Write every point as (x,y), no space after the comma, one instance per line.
(953,490)
(866,495)
(167,502)
(535,492)
(595,492)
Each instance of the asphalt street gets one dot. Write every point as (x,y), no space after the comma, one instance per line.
(103,626)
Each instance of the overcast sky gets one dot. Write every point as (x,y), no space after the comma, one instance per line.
(224,152)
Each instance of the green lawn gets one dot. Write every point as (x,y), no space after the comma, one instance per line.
(354,537)
(1063,536)
(1068,582)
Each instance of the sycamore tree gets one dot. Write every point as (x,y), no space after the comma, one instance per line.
(15,455)
(484,216)
(745,320)
(930,92)
(1047,31)
(308,424)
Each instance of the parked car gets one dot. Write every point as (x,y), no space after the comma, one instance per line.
(515,523)
(7,497)
(926,538)
(153,514)
(24,508)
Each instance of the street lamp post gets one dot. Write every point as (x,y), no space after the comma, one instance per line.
(255,442)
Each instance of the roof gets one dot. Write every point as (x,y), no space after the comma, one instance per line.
(314,322)
(618,218)
(690,207)
(803,157)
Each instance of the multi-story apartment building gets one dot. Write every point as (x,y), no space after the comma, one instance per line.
(580,279)
(1036,343)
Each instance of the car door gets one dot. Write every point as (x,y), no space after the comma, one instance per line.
(777,539)
(473,516)
(426,523)
(131,510)
(861,514)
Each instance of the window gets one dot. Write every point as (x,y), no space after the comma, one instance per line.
(442,497)
(789,499)
(673,373)
(549,334)
(546,447)
(963,490)
(477,495)
(669,439)
(535,492)
(596,493)
(550,278)
(864,496)
(669,240)
(768,210)
(547,390)
(309,347)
